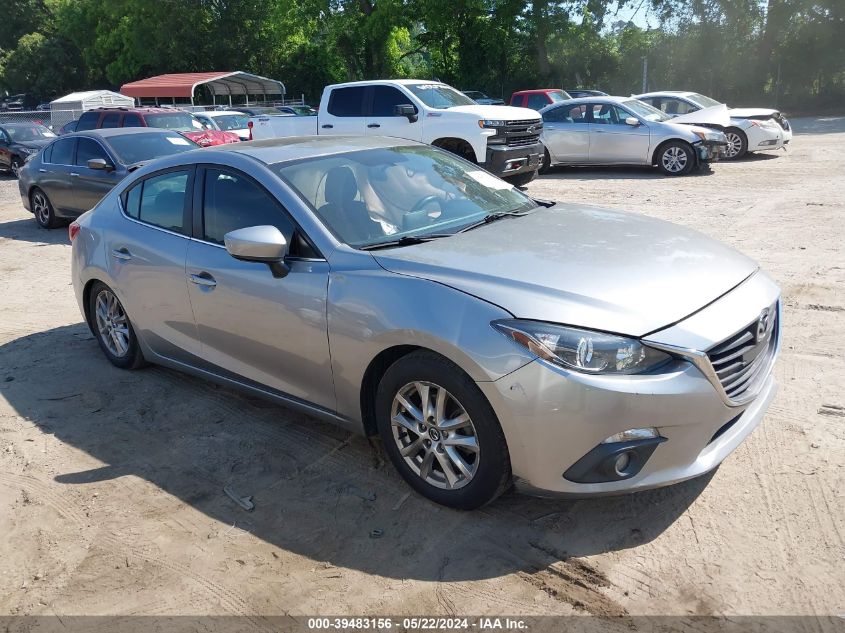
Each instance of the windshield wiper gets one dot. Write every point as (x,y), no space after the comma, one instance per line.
(492,217)
(405,240)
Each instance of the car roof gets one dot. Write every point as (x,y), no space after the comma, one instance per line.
(120,131)
(537,91)
(591,99)
(401,82)
(214,113)
(282,150)
(680,93)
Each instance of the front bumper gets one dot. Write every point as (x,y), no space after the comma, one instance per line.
(710,151)
(510,161)
(767,138)
(552,417)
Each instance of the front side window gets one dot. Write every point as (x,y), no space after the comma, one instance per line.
(159,201)
(232,201)
(385,100)
(63,151)
(440,96)
(88,149)
(347,102)
(379,195)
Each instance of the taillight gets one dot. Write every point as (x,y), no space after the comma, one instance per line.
(73,230)
(249,125)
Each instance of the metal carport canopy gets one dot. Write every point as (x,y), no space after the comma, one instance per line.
(219,83)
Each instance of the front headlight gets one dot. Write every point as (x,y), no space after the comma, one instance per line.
(582,350)
(28,150)
(491,123)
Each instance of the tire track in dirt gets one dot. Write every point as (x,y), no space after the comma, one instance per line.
(229,599)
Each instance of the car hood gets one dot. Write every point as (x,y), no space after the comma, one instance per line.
(36,144)
(580,265)
(715,115)
(497,112)
(752,113)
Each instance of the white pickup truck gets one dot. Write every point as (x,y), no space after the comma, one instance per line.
(502,139)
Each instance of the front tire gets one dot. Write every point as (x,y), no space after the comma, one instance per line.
(737,144)
(676,158)
(441,433)
(546,163)
(113,329)
(520,180)
(41,206)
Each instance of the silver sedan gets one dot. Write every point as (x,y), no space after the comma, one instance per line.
(624,131)
(400,291)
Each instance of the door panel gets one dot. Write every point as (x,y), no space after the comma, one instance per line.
(55,179)
(566,134)
(268,330)
(148,264)
(383,122)
(90,185)
(614,141)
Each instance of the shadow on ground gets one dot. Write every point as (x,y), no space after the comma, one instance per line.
(318,491)
(615,173)
(27,230)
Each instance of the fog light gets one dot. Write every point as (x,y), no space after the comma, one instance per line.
(633,434)
(621,463)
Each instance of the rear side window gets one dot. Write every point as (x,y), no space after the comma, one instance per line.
(87,149)
(88,121)
(347,102)
(159,201)
(132,120)
(385,100)
(63,151)
(110,119)
(47,154)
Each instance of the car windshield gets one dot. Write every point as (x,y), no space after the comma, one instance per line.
(134,148)
(645,111)
(231,121)
(558,95)
(179,121)
(704,102)
(376,196)
(440,96)
(29,133)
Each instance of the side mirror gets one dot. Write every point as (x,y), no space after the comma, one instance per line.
(264,244)
(101,164)
(632,121)
(406,110)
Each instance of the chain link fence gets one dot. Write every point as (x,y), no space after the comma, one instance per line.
(53,119)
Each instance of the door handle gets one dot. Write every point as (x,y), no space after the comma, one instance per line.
(73,173)
(374,125)
(599,130)
(122,254)
(203,279)
(327,126)
(42,171)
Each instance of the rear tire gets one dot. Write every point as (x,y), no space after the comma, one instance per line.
(737,144)
(676,158)
(112,328)
(452,450)
(43,210)
(520,180)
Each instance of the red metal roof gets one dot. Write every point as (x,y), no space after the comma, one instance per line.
(184,84)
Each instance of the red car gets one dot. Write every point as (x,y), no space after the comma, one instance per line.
(165,118)
(536,99)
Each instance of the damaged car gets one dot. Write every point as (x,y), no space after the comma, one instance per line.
(746,129)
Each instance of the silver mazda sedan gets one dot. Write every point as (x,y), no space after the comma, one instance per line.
(398,290)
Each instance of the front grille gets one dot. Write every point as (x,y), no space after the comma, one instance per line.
(743,361)
(518,133)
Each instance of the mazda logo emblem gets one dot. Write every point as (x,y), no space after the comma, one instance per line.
(763,324)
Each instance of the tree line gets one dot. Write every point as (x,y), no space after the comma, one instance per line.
(745,52)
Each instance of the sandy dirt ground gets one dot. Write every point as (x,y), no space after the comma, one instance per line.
(111,482)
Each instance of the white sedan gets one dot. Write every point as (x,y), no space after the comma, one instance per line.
(227,121)
(749,129)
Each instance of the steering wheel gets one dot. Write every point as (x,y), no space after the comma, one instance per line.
(424,201)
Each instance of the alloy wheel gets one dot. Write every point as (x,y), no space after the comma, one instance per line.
(112,324)
(41,207)
(435,435)
(734,144)
(674,159)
